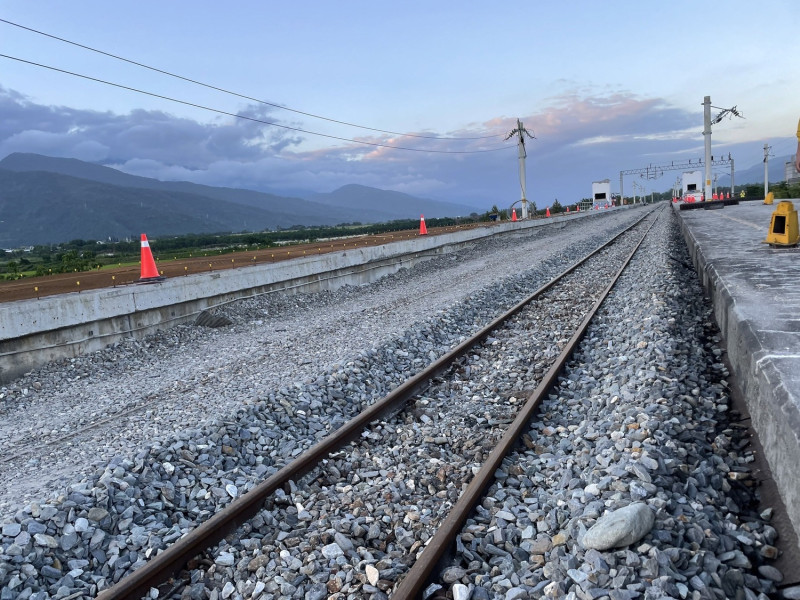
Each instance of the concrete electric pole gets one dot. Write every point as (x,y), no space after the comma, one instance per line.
(767,148)
(521,132)
(707,123)
(707,142)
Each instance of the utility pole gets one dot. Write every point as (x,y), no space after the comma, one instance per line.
(707,123)
(767,148)
(642,190)
(521,132)
(707,143)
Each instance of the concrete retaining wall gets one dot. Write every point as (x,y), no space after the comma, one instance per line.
(34,332)
(767,380)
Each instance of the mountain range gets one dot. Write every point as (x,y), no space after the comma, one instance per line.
(45,200)
(755,174)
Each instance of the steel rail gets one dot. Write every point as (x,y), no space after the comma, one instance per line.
(418,577)
(169,562)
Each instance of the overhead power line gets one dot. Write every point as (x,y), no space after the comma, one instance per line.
(213,87)
(253,119)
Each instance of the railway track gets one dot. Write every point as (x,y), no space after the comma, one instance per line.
(591,278)
(31,442)
(639,414)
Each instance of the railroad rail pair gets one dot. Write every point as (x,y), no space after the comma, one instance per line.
(169,562)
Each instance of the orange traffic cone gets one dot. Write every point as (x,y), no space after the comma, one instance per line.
(149,270)
(727,195)
(714,196)
(547,214)
(513,214)
(422,229)
(568,209)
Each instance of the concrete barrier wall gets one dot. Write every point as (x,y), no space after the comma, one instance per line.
(34,332)
(762,378)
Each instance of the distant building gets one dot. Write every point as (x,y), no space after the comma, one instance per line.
(692,186)
(790,173)
(601,193)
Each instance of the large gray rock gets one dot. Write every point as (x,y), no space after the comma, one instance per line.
(620,528)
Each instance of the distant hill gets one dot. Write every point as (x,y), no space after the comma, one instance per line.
(49,200)
(755,174)
(302,209)
(42,208)
(394,205)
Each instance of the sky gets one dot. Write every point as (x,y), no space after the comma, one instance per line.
(602,86)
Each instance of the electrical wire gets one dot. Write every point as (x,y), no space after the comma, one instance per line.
(206,85)
(788,146)
(238,116)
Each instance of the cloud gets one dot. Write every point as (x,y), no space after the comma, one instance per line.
(582,135)
(154,135)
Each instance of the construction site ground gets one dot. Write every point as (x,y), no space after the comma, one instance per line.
(61,283)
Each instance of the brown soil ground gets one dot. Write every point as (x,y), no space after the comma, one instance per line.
(62,283)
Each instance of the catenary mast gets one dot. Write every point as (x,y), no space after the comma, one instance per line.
(521,132)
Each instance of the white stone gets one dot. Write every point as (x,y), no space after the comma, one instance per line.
(81,524)
(592,489)
(45,540)
(528,533)
(372,575)
(461,592)
(228,589)
(619,528)
(506,516)
(332,551)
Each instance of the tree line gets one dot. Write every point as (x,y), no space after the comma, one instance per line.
(83,255)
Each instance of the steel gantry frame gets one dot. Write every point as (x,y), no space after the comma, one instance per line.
(656,171)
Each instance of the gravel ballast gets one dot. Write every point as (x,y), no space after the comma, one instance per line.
(378,501)
(214,411)
(641,422)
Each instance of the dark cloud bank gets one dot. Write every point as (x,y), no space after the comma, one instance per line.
(578,140)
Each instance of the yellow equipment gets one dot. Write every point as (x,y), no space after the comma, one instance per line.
(770,198)
(783,230)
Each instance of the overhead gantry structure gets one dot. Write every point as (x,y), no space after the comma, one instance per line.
(656,171)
